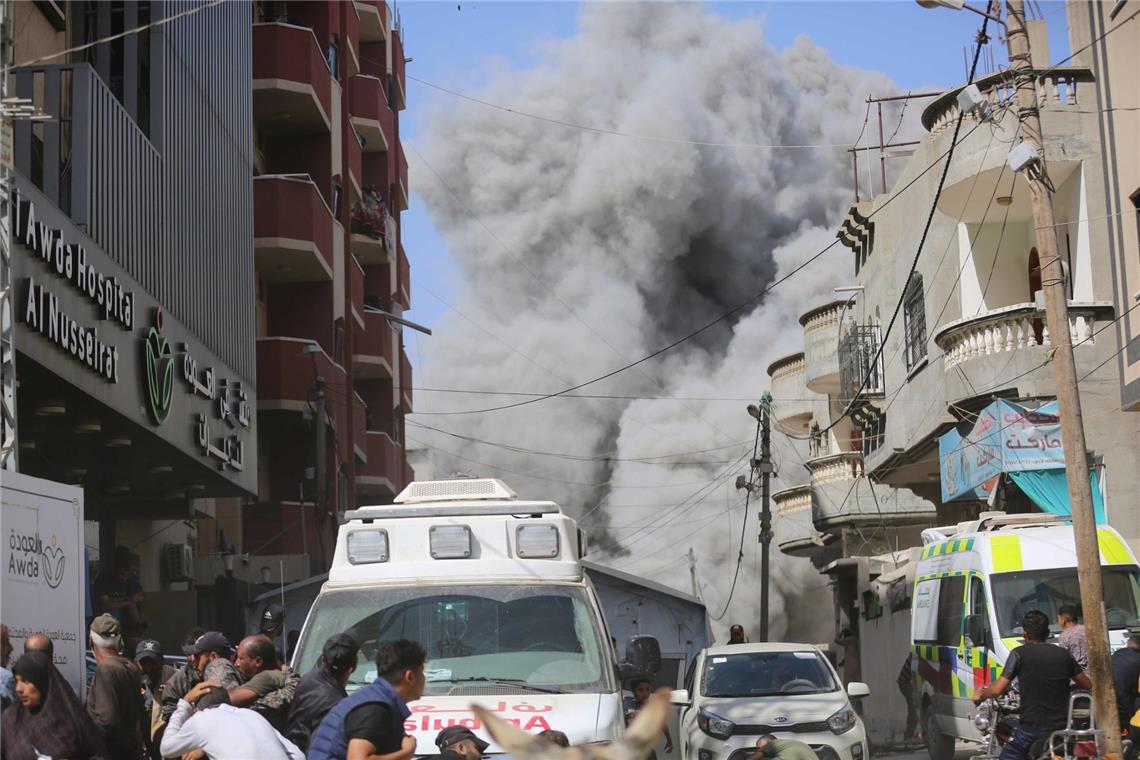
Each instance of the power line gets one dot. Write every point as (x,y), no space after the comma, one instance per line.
(618,133)
(708,325)
(113,37)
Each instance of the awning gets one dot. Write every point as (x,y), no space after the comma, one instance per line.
(1049,490)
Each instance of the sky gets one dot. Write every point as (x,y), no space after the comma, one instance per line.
(459,44)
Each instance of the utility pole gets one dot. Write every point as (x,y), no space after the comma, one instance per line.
(693,573)
(1068,395)
(763,465)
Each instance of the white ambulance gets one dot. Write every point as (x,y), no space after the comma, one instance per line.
(973,584)
(494,588)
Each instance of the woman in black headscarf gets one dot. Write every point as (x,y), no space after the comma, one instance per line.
(47,719)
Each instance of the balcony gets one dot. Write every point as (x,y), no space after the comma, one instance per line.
(285,375)
(351,31)
(373,25)
(292,88)
(1057,88)
(371,116)
(292,229)
(793,405)
(405,383)
(1020,328)
(359,428)
(398,66)
(403,292)
(402,173)
(356,290)
(821,347)
(795,533)
(374,349)
(354,154)
(841,497)
(382,474)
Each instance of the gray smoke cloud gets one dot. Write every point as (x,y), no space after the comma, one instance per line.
(579,251)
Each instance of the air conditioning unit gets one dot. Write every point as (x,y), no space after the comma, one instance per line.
(177,562)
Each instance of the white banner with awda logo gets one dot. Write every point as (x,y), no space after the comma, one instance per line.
(42,539)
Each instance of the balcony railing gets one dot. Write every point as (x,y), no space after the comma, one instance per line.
(844,466)
(405,382)
(285,372)
(356,290)
(403,291)
(292,88)
(821,346)
(1021,327)
(860,365)
(293,229)
(402,173)
(841,497)
(383,473)
(373,25)
(373,351)
(795,532)
(371,116)
(1056,88)
(359,427)
(793,404)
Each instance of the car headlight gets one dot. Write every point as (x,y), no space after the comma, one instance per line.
(842,721)
(714,725)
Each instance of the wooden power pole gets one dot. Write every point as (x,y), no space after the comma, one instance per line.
(1065,374)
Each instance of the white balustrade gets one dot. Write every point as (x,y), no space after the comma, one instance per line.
(1013,328)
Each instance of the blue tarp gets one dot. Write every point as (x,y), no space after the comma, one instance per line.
(1005,437)
(1049,490)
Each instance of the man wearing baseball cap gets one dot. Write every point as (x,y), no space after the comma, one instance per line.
(210,656)
(272,624)
(460,743)
(155,674)
(321,688)
(114,699)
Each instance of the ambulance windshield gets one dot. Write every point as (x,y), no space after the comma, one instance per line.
(1048,590)
(480,639)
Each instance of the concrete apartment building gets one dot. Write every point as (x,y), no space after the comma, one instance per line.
(971,335)
(131,213)
(331,179)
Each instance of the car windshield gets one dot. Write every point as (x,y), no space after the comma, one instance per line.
(762,674)
(479,638)
(1017,593)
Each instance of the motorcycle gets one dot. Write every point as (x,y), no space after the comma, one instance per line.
(996,720)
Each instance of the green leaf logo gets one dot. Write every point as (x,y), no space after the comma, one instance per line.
(159,375)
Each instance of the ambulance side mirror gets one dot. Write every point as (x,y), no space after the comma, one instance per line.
(642,657)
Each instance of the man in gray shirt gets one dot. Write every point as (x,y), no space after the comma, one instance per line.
(1072,638)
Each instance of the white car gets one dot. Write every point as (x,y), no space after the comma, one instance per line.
(735,694)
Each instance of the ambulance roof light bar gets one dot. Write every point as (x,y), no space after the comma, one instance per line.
(464,489)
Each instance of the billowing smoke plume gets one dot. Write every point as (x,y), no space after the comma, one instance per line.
(579,251)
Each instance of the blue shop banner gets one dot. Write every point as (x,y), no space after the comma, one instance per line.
(1005,437)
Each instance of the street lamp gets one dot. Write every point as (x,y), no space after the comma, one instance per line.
(956,5)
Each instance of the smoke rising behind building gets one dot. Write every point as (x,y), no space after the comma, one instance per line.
(578,251)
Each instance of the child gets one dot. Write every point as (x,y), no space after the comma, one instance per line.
(642,688)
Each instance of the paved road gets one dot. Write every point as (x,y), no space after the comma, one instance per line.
(963,752)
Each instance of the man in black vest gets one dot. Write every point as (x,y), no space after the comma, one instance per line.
(321,688)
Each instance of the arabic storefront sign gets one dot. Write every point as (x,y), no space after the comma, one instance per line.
(228,400)
(1006,437)
(84,318)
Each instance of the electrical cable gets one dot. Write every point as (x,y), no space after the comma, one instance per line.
(618,133)
(708,325)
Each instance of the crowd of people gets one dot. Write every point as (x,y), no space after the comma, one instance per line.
(225,703)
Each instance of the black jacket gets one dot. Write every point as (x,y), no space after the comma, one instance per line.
(316,694)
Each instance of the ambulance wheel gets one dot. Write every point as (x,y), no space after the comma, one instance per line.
(938,745)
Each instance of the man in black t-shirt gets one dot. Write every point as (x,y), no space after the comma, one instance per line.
(1044,672)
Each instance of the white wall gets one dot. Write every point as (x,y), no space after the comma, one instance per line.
(1009,282)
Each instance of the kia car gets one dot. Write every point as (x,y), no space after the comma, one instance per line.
(735,694)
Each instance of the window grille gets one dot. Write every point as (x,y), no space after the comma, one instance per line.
(858,367)
(914,322)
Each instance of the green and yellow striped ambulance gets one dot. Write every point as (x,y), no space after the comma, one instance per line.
(973,584)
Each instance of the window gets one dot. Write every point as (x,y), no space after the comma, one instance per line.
(938,607)
(914,322)
(1047,590)
(950,604)
(761,674)
(338,341)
